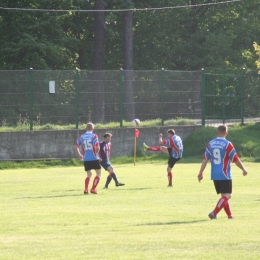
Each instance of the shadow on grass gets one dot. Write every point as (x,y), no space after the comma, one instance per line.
(171,223)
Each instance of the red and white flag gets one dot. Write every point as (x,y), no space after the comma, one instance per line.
(137,132)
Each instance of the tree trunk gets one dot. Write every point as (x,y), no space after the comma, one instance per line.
(98,113)
(129,105)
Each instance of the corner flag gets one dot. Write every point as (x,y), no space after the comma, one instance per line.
(136,135)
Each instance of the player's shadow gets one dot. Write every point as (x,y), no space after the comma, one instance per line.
(171,223)
(55,196)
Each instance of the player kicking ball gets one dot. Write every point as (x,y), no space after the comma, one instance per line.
(174,148)
(104,155)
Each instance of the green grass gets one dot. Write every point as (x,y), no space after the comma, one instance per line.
(44,215)
(25,125)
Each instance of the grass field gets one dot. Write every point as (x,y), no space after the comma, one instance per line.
(45,215)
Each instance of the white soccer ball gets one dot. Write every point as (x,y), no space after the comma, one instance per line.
(136,122)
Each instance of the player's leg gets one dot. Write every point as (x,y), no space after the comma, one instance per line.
(171,163)
(97,167)
(152,148)
(89,175)
(228,210)
(225,189)
(113,175)
(87,180)
(169,175)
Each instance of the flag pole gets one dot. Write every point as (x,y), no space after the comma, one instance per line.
(134,150)
(136,134)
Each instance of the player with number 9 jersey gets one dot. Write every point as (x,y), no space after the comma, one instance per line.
(221,153)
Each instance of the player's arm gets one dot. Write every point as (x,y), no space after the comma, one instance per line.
(97,148)
(76,149)
(161,142)
(202,168)
(240,165)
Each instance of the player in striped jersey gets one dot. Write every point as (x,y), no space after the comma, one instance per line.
(89,144)
(104,155)
(173,147)
(221,153)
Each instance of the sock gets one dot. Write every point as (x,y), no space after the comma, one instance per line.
(95,183)
(113,175)
(87,183)
(227,209)
(170,178)
(109,178)
(154,148)
(221,203)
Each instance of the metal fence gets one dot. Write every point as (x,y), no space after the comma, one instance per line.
(77,96)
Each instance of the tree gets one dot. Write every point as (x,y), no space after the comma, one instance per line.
(98,63)
(128,66)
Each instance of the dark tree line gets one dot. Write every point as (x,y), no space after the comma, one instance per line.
(199,36)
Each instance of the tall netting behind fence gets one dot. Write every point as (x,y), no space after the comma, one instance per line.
(99,96)
(14,97)
(182,94)
(252,96)
(37,98)
(53,97)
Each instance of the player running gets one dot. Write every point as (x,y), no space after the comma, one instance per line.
(104,155)
(221,152)
(174,148)
(90,148)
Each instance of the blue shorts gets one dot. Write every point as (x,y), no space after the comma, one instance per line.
(105,164)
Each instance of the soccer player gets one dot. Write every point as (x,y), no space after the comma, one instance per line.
(221,152)
(174,148)
(104,155)
(90,147)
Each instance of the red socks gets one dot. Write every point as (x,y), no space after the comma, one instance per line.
(87,183)
(95,183)
(220,205)
(227,209)
(170,178)
(154,148)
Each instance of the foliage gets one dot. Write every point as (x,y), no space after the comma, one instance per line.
(245,139)
(257,50)
(180,38)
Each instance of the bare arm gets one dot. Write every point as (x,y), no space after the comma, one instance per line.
(160,139)
(240,165)
(76,149)
(202,168)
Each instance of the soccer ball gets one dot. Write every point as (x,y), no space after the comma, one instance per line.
(136,122)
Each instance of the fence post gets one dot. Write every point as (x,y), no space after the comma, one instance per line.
(31,99)
(223,96)
(203,97)
(162,94)
(77,97)
(243,96)
(121,96)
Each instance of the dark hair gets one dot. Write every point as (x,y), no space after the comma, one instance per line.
(107,134)
(171,131)
(223,129)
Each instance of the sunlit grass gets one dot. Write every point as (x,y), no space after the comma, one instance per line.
(25,126)
(44,215)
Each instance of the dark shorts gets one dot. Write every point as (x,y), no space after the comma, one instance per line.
(223,186)
(92,165)
(172,161)
(105,164)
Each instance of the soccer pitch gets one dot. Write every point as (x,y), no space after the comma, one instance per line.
(45,215)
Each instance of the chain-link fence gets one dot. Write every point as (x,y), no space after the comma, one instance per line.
(75,96)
